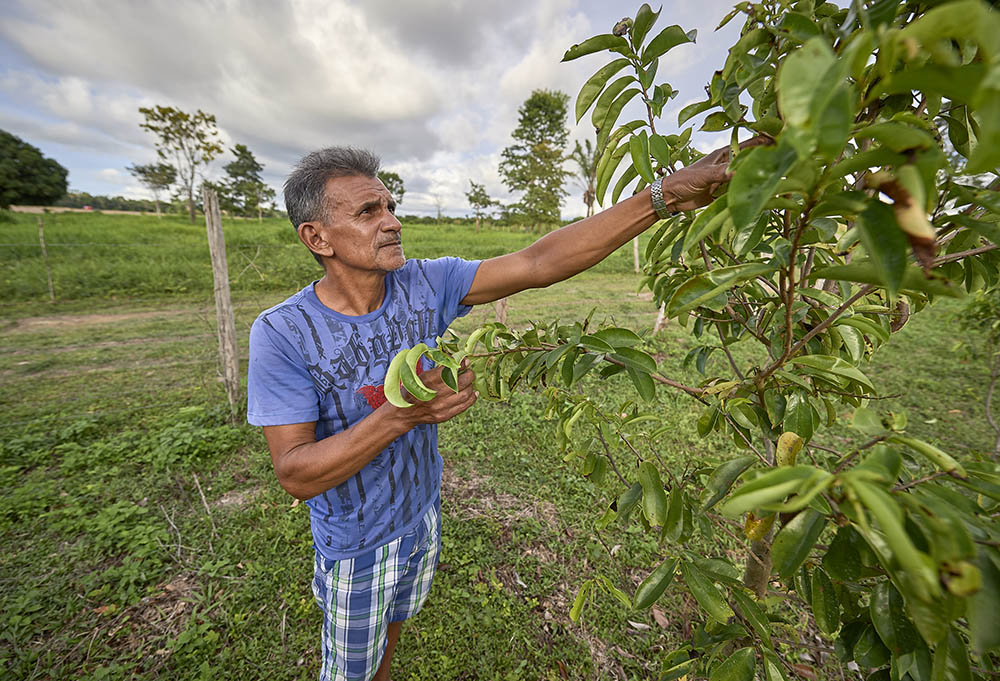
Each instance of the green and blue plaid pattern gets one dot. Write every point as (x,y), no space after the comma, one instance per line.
(360,596)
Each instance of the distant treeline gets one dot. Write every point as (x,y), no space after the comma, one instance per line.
(98,202)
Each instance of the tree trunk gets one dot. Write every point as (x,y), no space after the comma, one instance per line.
(635,253)
(477,224)
(191,204)
(501,309)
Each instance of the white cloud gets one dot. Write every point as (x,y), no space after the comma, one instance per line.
(432,85)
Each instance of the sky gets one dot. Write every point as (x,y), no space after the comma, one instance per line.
(432,86)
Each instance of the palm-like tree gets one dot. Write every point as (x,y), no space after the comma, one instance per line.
(585,158)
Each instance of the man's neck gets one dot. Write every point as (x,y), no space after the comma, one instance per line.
(354,295)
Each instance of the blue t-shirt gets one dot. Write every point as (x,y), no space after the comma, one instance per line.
(311,363)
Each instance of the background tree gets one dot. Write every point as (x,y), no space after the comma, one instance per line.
(191,140)
(26,176)
(584,158)
(394,183)
(156,177)
(534,163)
(244,189)
(479,200)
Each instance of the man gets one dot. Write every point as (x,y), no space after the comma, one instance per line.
(370,472)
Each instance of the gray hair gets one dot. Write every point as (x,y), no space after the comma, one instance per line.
(304,188)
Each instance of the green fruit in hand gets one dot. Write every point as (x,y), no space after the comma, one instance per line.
(408,373)
(392,392)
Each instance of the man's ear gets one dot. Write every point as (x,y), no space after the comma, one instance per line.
(311,234)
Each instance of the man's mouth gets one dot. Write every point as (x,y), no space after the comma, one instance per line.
(391,243)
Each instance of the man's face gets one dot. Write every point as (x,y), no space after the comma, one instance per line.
(361,224)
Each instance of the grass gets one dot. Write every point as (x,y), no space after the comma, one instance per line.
(145,535)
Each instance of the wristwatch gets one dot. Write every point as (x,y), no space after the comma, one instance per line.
(659,205)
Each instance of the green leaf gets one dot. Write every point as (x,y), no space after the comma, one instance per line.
(655,584)
(660,150)
(797,80)
(957,83)
(595,84)
(869,650)
(607,98)
(843,558)
(605,41)
(897,136)
(639,148)
(644,20)
(706,222)
(665,40)
(642,382)
(612,114)
(885,242)
(654,497)
(723,478)
(706,593)
(701,289)
(943,461)
(596,343)
(984,607)
(951,660)
(825,606)
(987,230)
(768,488)
(865,272)
(740,666)
(753,614)
(693,110)
(581,599)
(755,180)
(617,337)
(674,525)
(793,542)
(888,613)
(636,359)
(834,365)
(799,416)
(887,512)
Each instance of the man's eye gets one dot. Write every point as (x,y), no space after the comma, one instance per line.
(392,208)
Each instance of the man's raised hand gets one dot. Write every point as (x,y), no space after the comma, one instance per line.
(693,186)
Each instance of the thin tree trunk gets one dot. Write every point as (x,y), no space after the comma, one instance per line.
(635,253)
(501,309)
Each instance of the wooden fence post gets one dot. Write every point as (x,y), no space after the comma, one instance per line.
(225,319)
(45,258)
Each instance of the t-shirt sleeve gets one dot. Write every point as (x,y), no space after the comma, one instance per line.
(451,279)
(280,390)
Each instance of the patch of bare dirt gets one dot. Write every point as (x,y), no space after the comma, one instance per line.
(236,498)
(75,320)
(474,497)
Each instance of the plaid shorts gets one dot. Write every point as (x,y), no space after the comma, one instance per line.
(360,596)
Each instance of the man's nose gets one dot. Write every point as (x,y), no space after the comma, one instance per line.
(392,223)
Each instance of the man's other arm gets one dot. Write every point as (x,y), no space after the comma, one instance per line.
(306,466)
(576,247)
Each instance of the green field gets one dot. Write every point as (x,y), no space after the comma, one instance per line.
(145,535)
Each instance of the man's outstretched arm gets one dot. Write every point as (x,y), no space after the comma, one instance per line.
(576,247)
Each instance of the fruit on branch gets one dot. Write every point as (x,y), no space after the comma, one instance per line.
(906,189)
(757,528)
(789,446)
(622,27)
